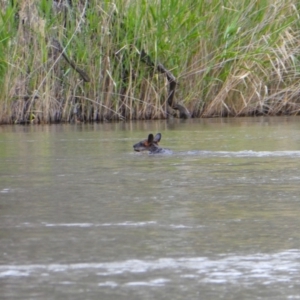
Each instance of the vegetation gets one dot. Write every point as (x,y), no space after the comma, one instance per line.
(229,58)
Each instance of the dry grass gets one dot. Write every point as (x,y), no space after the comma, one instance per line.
(230,59)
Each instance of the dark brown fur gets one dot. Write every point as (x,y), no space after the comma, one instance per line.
(150,144)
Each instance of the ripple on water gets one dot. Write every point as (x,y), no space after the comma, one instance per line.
(265,268)
(245,153)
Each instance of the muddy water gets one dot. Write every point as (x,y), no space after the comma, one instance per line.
(84,217)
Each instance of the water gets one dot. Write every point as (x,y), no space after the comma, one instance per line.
(82,216)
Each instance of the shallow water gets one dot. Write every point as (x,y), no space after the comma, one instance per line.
(82,216)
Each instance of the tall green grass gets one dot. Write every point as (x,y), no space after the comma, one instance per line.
(230,58)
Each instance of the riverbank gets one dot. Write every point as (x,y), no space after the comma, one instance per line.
(85,61)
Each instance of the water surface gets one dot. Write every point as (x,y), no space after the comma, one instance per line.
(82,216)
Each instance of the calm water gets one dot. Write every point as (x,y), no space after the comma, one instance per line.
(84,217)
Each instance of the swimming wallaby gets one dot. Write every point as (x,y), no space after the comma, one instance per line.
(150,144)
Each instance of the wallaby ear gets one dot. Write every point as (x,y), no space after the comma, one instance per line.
(150,138)
(157,137)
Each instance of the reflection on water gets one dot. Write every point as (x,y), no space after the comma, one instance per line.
(218,218)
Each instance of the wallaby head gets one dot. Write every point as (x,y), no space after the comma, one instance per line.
(150,144)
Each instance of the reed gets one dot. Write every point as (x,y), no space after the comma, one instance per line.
(230,58)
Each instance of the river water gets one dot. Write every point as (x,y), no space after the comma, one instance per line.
(83,216)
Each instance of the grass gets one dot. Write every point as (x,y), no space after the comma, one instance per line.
(230,58)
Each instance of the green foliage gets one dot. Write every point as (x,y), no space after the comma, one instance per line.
(45,8)
(7,32)
(227,56)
